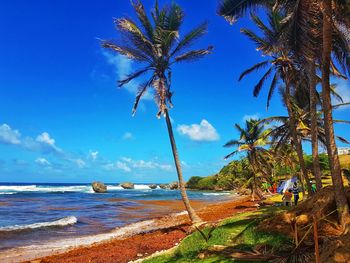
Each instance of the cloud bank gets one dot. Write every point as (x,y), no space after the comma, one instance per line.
(203,132)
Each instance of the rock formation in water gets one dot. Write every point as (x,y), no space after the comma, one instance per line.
(127,185)
(99,187)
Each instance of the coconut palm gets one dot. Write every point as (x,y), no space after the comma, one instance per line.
(283,67)
(331,17)
(252,140)
(157,46)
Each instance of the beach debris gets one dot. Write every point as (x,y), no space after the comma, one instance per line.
(127,185)
(99,187)
(152,186)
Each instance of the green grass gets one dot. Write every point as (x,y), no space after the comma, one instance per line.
(238,231)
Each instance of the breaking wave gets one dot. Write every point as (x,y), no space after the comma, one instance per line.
(70,220)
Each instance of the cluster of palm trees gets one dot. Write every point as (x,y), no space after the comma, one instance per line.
(306,41)
(299,58)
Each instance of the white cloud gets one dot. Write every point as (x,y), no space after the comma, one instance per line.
(141,164)
(93,155)
(45,138)
(8,135)
(199,132)
(128,136)
(250,117)
(42,161)
(43,143)
(80,163)
(117,166)
(343,89)
(122,166)
(123,67)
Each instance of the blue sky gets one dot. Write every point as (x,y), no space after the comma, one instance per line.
(62,119)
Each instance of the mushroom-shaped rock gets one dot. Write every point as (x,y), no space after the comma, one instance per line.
(128,185)
(152,186)
(99,187)
(174,185)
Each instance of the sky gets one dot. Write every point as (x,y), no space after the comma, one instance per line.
(63,119)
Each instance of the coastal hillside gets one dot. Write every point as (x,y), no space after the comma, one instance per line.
(235,175)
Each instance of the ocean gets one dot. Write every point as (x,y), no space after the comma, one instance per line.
(34,214)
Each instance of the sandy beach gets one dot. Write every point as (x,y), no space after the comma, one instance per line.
(133,241)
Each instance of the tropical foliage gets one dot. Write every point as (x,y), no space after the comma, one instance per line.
(309,34)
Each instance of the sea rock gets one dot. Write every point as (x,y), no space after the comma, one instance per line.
(152,186)
(164,186)
(127,185)
(174,185)
(99,187)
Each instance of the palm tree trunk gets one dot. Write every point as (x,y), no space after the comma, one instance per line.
(192,214)
(296,141)
(314,128)
(340,197)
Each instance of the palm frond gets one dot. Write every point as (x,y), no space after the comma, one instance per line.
(141,14)
(233,143)
(231,10)
(230,155)
(259,42)
(190,37)
(129,52)
(257,66)
(272,89)
(194,55)
(132,76)
(261,82)
(342,139)
(341,105)
(140,94)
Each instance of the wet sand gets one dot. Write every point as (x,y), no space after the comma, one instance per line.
(136,240)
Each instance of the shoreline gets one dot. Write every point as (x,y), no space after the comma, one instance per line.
(139,239)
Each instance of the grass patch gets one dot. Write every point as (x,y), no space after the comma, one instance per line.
(238,231)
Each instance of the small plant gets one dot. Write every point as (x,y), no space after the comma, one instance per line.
(205,236)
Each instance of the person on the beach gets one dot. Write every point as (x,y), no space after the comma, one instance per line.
(295,190)
(287,197)
(274,186)
(313,187)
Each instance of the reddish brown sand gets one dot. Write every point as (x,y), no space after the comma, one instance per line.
(145,244)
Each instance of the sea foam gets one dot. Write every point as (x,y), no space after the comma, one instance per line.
(70,220)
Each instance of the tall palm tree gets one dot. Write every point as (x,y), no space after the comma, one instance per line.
(328,20)
(252,140)
(283,67)
(157,46)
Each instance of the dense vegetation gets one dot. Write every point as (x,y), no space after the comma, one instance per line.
(235,175)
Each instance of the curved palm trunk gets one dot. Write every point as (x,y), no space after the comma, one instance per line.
(340,197)
(296,141)
(314,128)
(192,214)
(255,190)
